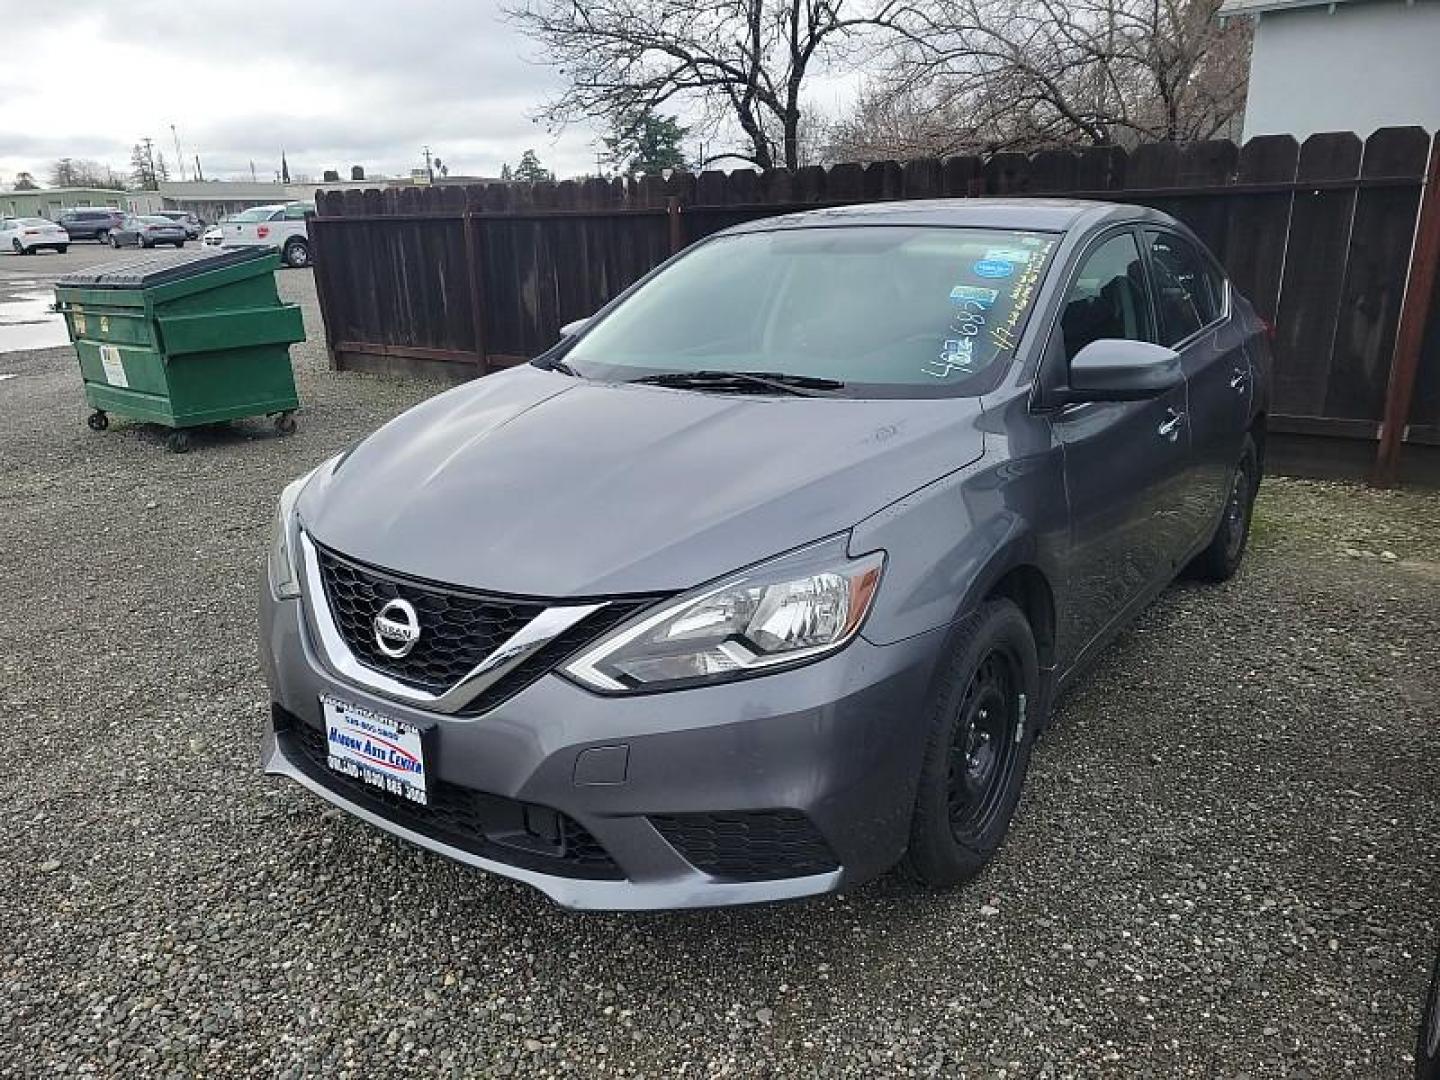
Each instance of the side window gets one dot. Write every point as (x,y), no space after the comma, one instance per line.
(295,213)
(1188,292)
(278,215)
(1107,299)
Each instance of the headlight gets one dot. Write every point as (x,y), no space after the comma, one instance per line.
(284,581)
(787,611)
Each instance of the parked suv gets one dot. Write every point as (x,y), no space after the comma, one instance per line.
(192,224)
(765,578)
(90,223)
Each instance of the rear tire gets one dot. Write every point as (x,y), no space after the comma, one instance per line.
(115,242)
(179,244)
(978,749)
(1427,1046)
(63,248)
(296,253)
(1221,558)
(15,244)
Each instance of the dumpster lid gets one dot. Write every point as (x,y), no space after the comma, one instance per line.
(160,268)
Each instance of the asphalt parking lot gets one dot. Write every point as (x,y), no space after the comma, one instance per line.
(1224,865)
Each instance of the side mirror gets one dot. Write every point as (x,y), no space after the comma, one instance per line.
(1112,369)
(570,329)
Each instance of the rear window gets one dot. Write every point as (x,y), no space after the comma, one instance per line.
(890,311)
(155,219)
(259,213)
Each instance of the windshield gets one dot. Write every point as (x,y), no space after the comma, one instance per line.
(889,311)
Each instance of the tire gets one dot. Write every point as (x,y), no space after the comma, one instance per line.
(1221,557)
(178,442)
(978,749)
(146,244)
(63,248)
(296,253)
(285,423)
(98,421)
(115,242)
(179,244)
(15,244)
(1427,1045)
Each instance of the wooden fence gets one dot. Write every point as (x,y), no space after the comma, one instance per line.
(461,281)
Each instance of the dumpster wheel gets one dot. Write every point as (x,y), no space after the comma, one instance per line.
(285,423)
(97,420)
(178,442)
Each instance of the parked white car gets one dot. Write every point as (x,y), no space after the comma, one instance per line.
(27,235)
(280,225)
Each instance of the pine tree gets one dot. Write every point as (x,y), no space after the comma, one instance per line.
(530,170)
(647,143)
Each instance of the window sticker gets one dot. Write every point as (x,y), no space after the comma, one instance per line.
(1014,255)
(994,268)
(964,295)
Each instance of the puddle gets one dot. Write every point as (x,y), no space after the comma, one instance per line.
(26,322)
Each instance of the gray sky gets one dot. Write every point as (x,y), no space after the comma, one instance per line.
(332,83)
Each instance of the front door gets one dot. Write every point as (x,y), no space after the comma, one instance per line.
(1125,462)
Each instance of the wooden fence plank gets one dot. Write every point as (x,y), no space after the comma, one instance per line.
(1314,273)
(1375,265)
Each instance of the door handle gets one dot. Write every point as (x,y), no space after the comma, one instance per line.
(1239,379)
(1170,427)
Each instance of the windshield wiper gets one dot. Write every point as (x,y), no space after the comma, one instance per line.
(556,365)
(743,381)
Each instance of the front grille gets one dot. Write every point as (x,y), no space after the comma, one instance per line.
(759,845)
(459,628)
(491,826)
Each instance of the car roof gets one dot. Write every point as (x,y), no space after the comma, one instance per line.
(1039,214)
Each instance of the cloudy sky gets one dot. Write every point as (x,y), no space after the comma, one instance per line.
(331,82)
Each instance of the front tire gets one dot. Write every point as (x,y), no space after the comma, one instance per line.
(115,242)
(979,747)
(15,245)
(1221,558)
(63,248)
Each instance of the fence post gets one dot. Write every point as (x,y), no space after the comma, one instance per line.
(467,222)
(1414,314)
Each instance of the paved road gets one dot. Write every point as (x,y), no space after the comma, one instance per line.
(1224,864)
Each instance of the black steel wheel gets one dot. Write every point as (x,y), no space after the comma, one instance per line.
(97,420)
(1220,560)
(983,746)
(1427,1045)
(978,748)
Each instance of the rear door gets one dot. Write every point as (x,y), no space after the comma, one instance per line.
(1125,461)
(1192,301)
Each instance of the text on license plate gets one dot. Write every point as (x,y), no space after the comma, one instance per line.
(375,749)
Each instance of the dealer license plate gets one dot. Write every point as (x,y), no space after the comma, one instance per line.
(388,754)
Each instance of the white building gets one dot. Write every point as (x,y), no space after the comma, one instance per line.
(1341,65)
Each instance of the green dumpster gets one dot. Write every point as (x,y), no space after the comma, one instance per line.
(184,339)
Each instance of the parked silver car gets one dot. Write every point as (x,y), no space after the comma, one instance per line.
(766,577)
(147,230)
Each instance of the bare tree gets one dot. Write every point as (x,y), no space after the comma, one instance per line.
(740,61)
(1024,74)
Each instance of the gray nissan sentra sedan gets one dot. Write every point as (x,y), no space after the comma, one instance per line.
(765,578)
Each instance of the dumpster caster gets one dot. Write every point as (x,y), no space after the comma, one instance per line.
(285,423)
(97,420)
(178,442)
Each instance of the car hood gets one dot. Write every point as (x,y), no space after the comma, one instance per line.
(536,483)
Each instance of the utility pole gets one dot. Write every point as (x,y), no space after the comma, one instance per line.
(252,171)
(429,169)
(199,173)
(179,156)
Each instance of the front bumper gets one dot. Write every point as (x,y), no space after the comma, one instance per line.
(839,742)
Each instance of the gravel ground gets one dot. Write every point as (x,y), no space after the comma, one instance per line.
(1224,864)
